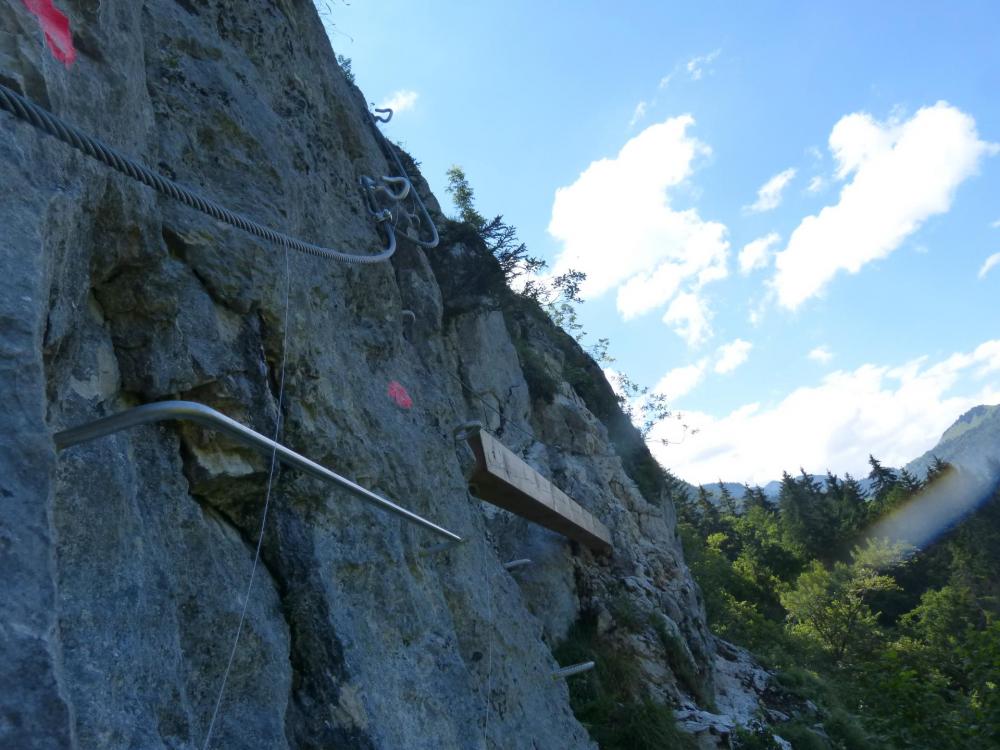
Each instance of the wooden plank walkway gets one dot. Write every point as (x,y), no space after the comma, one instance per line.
(502,478)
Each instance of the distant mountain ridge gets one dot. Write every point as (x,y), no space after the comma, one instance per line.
(972,443)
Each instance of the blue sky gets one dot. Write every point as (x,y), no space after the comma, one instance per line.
(650,144)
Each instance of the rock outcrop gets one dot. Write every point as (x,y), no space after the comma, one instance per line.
(125,561)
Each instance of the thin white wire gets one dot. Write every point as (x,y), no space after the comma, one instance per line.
(267,504)
(489,618)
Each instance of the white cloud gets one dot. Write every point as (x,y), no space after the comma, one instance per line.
(665,81)
(903,173)
(696,65)
(681,380)
(616,224)
(639,113)
(400,101)
(732,355)
(769,194)
(816,184)
(895,414)
(989,264)
(821,354)
(690,318)
(757,254)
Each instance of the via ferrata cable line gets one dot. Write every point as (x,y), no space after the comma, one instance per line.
(41,119)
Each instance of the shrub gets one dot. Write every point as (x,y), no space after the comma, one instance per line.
(602,699)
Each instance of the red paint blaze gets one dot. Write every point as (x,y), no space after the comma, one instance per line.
(398,394)
(56,28)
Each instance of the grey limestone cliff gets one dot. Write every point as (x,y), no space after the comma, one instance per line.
(124,561)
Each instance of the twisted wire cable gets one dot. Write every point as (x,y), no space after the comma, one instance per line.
(43,120)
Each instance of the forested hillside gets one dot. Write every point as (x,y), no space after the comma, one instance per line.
(899,647)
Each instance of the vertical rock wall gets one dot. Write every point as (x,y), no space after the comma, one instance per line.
(125,560)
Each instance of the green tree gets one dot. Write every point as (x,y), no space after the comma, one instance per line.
(726,499)
(829,606)
(500,237)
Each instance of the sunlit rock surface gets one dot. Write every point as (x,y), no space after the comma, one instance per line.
(125,560)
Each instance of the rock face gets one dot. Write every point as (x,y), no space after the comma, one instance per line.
(126,560)
(972,443)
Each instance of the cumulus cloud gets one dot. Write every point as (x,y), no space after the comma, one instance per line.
(816,184)
(690,318)
(732,355)
(757,254)
(902,172)
(639,113)
(769,194)
(821,354)
(616,224)
(993,260)
(894,413)
(697,66)
(401,101)
(681,380)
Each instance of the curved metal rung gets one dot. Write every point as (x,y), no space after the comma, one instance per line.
(191,411)
(560,674)
(404,190)
(386,111)
(515,564)
(436,238)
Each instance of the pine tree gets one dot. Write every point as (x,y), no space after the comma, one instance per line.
(710,521)
(937,469)
(909,483)
(883,479)
(726,499)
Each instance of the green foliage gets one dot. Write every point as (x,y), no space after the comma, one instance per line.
(604,701)
(681,663)
(345,65)
(791,585)
(758,738)
(542,384)
(803,737)
(499,236)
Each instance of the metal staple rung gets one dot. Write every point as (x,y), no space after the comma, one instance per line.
(570,671)
(435,239)
(515,564)
(191,411)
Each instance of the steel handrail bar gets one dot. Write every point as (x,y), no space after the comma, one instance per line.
(191,411)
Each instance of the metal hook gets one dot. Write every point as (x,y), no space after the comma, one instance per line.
(405,191)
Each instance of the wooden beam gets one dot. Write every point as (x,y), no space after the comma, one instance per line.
(505,480)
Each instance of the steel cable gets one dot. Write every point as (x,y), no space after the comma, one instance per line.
(43,120)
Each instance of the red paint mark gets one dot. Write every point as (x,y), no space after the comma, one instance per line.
(56,28)
(398,394)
